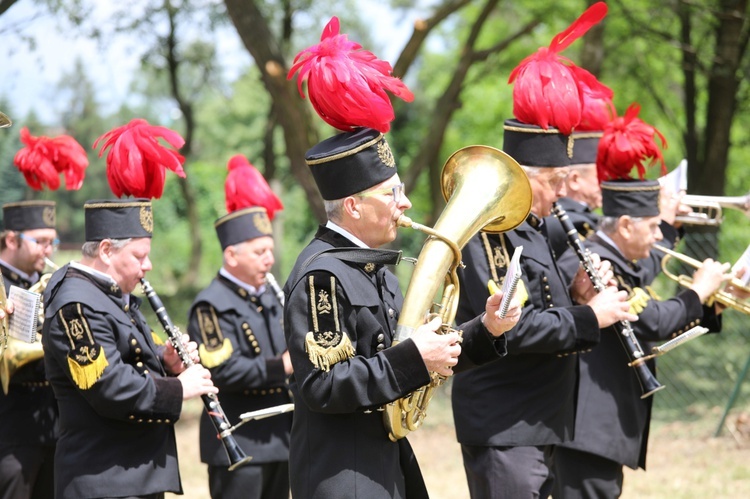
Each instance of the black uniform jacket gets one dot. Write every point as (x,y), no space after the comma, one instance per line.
(340,447)
(584,220)
(241,341)
(529,397)
(612,420)
(117,405)
(28,413)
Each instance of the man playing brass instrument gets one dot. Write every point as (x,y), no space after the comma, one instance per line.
(28,412)
(340,316)
(612,420)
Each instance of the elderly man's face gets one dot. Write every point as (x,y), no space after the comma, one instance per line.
(380,208)
(251,260)
(547,186)
(130,263)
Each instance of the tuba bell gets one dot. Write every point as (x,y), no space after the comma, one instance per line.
(4,120)
(486,190)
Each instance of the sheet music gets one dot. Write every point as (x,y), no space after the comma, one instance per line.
(22,323)
(676,180)
(511,280)
(744,261)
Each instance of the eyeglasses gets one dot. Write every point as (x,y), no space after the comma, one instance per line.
(44,243)
(396,191)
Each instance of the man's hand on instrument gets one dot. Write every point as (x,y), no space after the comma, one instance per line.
(496,325)
(709,277)
(7,310)
(439,351)
(611,306)
(196,381)
(173,362)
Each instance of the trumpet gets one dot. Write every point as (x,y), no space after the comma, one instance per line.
(707,210)
(721,296)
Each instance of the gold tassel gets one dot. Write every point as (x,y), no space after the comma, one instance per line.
(638,301)
(86,376)
(324,357)
(212,358)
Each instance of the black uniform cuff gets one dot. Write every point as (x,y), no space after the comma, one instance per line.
(407,364)
(168,398)
(275,372)
(586,326)
(478,344)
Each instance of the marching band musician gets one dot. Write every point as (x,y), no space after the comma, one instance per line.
(510,414)
(340,314)
(236,322)
(612,421)
(120,390)
(28,412)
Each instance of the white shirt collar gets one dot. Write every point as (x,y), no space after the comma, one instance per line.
(604,237)
(100,275)
(346,234)
(247,287)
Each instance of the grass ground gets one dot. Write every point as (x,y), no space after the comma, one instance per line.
(684,460)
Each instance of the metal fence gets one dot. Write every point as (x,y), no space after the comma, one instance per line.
(707,378)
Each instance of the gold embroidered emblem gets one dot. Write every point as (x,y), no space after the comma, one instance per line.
(48,216)
(326,344)
(262,223)
(86,359)
(498,257)
(324,304)
(385,154)
(214,348)
(147,219)
(638,300)
(369,267)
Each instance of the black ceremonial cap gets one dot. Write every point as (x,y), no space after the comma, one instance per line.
(28,215)
(350,162)
(585,147)
(118,219)
(532,145)
(637,198)
(243,225)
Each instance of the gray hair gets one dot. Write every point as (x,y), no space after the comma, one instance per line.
(608,225)
(334,209)
(90,249)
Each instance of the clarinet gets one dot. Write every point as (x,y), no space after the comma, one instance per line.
(649,383)
(274,285)
(211,402)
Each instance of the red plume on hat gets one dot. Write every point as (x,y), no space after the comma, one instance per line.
(628,142)
(546,91)
(245,187)
(137,161)
(347,86)
(44,159)
(597,109)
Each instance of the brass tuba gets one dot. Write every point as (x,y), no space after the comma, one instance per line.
(4,120)
(477,182)
(18,353)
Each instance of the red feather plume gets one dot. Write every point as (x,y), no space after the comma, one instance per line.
(245,187)
(597,109)
(137,162)
(44,159)
(546,91)
(628,142)
(347,86)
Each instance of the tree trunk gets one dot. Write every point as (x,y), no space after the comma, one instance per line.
(293,113)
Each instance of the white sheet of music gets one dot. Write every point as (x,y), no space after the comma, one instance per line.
(22,322)
(511,280)
(744,261)
(676,180)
